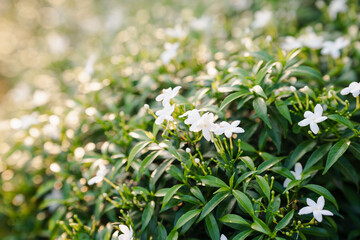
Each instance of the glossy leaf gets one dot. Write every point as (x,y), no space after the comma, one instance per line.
(335,153)
(260,108)
(134,151)
(244,202)
(323,192)
(264,185)
(213,203)
(283,110)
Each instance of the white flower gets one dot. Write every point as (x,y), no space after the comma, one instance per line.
(337,6)
(313,119)
(223,237)
(197,160)
(228,129)
(128,233)
(262,18)
(201,24)
(205,124)
(311,40)
(170,52)
(297,174)
(167,95)
(165,114)
(353,88)
(177,32)
(291,43)
(188,150)
(192,116)
(89,67)
(333,48)
(316,209)
(100,174)
(292,88)
(305,89)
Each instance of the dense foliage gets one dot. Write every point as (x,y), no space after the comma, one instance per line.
(180,120)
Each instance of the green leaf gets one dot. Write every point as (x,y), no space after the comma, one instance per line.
(213,181)
(186,217)
(264,185)
(232,218)
(216,200)
(148,212)
(262,55)
(285,221)
(342,120)
(260,226)
(197,193)
(300,151)
(233,97)
(176,173)
(244,202)
(270,161)
(170,193)
(283,109)
(134,151)
(173,235)
(306,72)
(259,105)
(335,152)
(161,231)
(249,162)
(212,227)
(292,184)
(146,162)
(283,172)
(355,149)
(317,155)
(243,235)
(323,192)
(243,177)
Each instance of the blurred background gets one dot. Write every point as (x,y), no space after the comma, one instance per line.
(58,56)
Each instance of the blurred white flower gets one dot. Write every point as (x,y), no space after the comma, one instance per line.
(51,131)
(297,174)
(197,160)
(292,88)
(290,43)
(262,18)
(223,237)
(228,129)
(89,66)
(40,98)
(311,40)
(170,52)
(305,89)
(128,233)
(177,32)
(167,95)
(188,150)
(337,6)
(353,88)
(333,48)
(313,119)
(201,24)
(165,114)
(192,116)
(205,124)
(316,209)
(100,174)
(29,120)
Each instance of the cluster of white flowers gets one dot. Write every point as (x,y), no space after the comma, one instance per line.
(165,98)
(312,41)
(170,52)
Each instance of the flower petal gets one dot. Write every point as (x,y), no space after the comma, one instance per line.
(311,203)
(308,114)
(124,229)
(326,213)
(286,182)
(223,237)
(305,210)
(321,119)
(318,216)
(318,110)
(321,202)
(314,127)
(298,168)
(206,134)
(304,122)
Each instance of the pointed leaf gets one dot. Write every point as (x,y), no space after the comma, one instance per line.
(186,217)
(283,109)
(244,202)
(317,155)
(216,200)
(170,193)
(148,212)
(212,227)
(213,181)
(260,226)
(134,151)
(232,218)
(342,120)
(233,97)
(300,151)
(285,221)
(335,152)
(259,105)
(264,185)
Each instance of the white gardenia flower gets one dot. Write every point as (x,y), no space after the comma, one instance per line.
(313,119)
(311,40)
(333,48)
(165,114)
(170,52)
(223,237)
(192,116)
(262,18)
(128,233)
(297,174)
(205,124)
(337,6)
(291,43)
(353,88)
(228,129)
(167,95)
(100,174)
(316,209)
